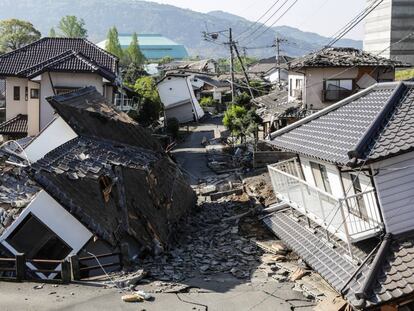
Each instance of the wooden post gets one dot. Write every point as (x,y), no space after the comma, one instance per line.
(65,273)
(74,267)
(20,266)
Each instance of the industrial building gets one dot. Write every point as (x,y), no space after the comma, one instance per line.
(386,26)
(153,46)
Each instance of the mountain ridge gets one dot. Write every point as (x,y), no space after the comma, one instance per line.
(181,25)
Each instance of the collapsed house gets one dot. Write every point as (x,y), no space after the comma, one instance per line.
(346,199)
(276,111)
(92,176)
(178,98)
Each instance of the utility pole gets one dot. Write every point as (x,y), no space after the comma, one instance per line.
(244,71)
(278,41)
(233,93)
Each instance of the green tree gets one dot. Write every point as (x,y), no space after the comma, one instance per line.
(15,33)
(112,44)
(241,122)
(132,73)
(72,27)
(165,60)
(133,54)
(52,33)
(150,107)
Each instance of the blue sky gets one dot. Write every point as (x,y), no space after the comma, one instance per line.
(322,16)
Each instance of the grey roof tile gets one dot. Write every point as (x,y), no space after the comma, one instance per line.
(16,125)
(330,134)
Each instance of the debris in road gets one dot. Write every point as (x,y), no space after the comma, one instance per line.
(144,295)
(39,286)
(132,298)
(298,274)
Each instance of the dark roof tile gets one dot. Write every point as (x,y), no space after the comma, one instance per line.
(46,50)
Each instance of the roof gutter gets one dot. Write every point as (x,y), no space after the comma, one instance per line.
(322,112)
(376,264)
(357,152)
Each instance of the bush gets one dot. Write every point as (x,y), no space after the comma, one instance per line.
(208,102)
(173,127)
(240,121)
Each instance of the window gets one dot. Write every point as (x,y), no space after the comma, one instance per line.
(16,93)
(320,174)
(34,93)
(290,87)
(64,90)
(26,93)
(357,206)
(298,84)
(337,89)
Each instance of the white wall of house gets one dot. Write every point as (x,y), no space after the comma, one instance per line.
(56,218)
(173,90)
(273,76)
(395,187)
(15,107)
(33,105)
(52,136)
(293,77)
(61,79)
(332,171)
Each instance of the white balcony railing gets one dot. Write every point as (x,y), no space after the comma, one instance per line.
(343,217)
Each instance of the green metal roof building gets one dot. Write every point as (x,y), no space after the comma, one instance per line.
(153,46)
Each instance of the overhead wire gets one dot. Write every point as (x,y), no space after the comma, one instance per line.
(258,20)
(274,23)
(243,38)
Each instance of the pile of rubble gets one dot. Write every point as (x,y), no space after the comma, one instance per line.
(209,244)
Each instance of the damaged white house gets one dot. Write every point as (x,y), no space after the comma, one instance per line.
(92,181)
(346,199)
(177,95)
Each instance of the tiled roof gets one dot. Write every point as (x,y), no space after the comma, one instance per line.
(394,278)
(212,81)
(89,114)
(85,156)
(265,65)
(382,116)
(16,125)
(46,50)
(342,57)
(275,104)
(331,263)
(68,61)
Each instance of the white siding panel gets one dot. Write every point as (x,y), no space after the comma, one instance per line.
(395,187)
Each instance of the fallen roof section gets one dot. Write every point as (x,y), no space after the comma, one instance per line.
(89,114)
(371,125)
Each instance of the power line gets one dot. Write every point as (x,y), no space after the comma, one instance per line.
(274,23)
(257,21)
(355,23)
(263,24)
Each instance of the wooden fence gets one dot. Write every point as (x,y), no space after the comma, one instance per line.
(71,269)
